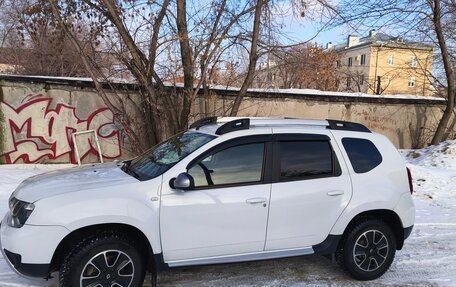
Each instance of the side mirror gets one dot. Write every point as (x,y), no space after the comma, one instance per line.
(183,181)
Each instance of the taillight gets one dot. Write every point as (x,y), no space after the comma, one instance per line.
(409,174)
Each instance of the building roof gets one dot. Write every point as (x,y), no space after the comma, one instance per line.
(380,39)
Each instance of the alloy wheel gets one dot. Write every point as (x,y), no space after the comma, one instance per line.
(370,250)
(111,268)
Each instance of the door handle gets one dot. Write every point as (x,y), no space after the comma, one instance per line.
(335,192)
(256,200)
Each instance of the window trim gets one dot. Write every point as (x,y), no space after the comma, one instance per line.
(278,138)
(266,139)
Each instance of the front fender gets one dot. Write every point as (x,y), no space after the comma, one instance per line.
(138,207)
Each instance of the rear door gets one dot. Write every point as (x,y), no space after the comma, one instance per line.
(311,187)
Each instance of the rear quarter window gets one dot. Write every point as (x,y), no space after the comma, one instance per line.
(362,153)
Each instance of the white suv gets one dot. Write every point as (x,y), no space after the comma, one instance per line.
(226,190)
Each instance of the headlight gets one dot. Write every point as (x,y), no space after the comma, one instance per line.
(19,212)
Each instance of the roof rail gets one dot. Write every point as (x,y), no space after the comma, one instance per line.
(347,126)
(230,124)
(234,125)
(203,122)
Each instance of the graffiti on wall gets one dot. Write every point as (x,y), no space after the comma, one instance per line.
(34,131)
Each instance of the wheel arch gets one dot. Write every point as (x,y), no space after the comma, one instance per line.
(388,216)
(75,236)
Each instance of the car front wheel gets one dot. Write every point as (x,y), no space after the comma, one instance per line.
(107,259)
(367,250)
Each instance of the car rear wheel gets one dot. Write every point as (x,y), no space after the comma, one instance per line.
(367,250)
(108,259)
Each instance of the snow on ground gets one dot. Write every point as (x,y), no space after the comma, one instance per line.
(427,258)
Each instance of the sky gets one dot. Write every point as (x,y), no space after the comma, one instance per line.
(301,32)
(297,29)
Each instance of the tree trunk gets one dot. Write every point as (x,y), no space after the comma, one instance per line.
(449,109)
(187,61)
(253,57)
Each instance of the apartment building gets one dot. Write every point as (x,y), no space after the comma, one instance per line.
(382,64)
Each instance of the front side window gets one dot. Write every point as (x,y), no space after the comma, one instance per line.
(350,61)
(234,165)
(304,159)
(163,156)
(363,154)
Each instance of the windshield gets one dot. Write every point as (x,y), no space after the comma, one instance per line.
(163,156)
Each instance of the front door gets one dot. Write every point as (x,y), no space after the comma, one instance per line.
(226,213)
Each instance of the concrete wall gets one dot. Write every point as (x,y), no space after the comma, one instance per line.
(401,122)
(39,119)
(42,113)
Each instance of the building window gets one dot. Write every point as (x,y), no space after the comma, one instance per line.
(411,82)
(391,59)
(361,80)
(348,82)
(363,59)
(350,61)
(338,64)
(413,62)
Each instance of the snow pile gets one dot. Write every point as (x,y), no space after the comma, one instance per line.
(434,172)
(441,156)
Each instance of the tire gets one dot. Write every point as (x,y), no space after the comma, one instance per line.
(362,256)
(106,259)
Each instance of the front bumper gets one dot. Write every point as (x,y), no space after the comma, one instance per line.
(29,249)
(27,270)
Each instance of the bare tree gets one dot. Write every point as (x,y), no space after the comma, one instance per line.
(155,42)
(449,65)
(253,58)
(31,44)
(306,66)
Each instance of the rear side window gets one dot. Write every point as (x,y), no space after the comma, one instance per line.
(363,154)
(304,159)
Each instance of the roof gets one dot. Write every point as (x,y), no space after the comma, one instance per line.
(382,39)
